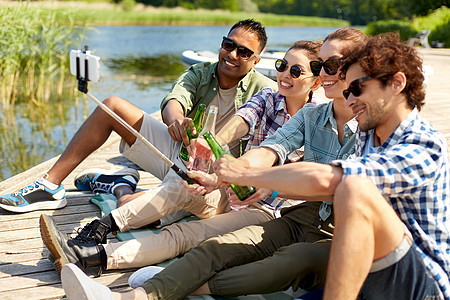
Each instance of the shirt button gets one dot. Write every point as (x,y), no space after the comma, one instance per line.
(214,89)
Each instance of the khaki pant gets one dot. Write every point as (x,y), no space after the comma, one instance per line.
(177,239)
(288,251)
(170,195)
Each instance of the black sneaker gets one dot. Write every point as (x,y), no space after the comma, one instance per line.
(103,181)
(35,196)
(84,253)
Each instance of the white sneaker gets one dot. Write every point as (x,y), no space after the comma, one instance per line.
(78,285)
(142,275)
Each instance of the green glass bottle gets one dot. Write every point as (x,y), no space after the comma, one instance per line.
(242,192)
(198,123)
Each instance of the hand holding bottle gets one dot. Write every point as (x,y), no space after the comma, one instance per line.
(260,194)
(206,183)
(192,130)
(228,168)
(242,192)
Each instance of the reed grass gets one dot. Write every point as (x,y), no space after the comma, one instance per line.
(34,53)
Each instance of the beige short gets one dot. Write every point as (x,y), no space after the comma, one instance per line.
(156,133)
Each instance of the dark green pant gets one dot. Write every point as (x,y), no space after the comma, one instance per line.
(288,251)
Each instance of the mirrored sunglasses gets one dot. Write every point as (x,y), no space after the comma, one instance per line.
(295,71)
(243,52)
(331,66)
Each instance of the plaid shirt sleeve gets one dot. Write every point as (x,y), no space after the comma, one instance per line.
(401,169)
(253,110)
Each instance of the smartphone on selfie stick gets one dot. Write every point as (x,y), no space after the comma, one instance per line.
(86,67)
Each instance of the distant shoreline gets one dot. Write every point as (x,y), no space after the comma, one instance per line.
(110,14)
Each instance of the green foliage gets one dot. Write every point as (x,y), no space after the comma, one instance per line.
(128,5)
(405,28)
(439,24)
(248,6)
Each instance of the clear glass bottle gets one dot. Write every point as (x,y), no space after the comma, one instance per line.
(242,192)
(202,155)
(198,124)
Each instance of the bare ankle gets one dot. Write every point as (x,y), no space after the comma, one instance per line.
(203,290)
(125,195)
(136,294)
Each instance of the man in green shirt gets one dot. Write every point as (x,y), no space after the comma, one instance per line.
(227,84)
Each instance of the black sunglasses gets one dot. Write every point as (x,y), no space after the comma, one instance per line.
(331,66)
(243,52)
(355,87)
(295,71)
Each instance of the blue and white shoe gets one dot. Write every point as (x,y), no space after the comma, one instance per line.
(105,181)
(35,196)
(142,275)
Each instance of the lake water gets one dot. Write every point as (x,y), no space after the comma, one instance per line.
(138,63)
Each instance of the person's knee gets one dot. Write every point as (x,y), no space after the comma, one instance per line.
(113,102)
(355,195)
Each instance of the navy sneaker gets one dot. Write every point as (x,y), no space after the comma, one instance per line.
(35,196)
(104,181)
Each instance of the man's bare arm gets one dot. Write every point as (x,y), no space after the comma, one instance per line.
(303,179)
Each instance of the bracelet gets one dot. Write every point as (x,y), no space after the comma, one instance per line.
(274,194)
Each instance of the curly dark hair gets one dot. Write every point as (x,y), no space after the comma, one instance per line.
(383,56)
(255,27)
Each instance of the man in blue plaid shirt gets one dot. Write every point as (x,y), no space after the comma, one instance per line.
(391,237)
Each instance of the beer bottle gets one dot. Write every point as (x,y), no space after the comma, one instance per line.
(242,192)
(198,124)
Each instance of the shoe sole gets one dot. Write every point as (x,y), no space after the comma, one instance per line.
(42,205)
(51,242)
(135,280)
(77,285)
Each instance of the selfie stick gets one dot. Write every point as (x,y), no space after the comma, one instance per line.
(82,87)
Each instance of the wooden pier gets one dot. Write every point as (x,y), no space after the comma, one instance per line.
(26,272)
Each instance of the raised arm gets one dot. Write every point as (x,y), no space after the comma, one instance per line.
(234,129)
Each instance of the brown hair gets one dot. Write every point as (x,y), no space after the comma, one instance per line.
(347,34)
(312,52)
(311,48)
(386,55)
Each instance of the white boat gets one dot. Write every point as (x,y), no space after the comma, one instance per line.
(266,65)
